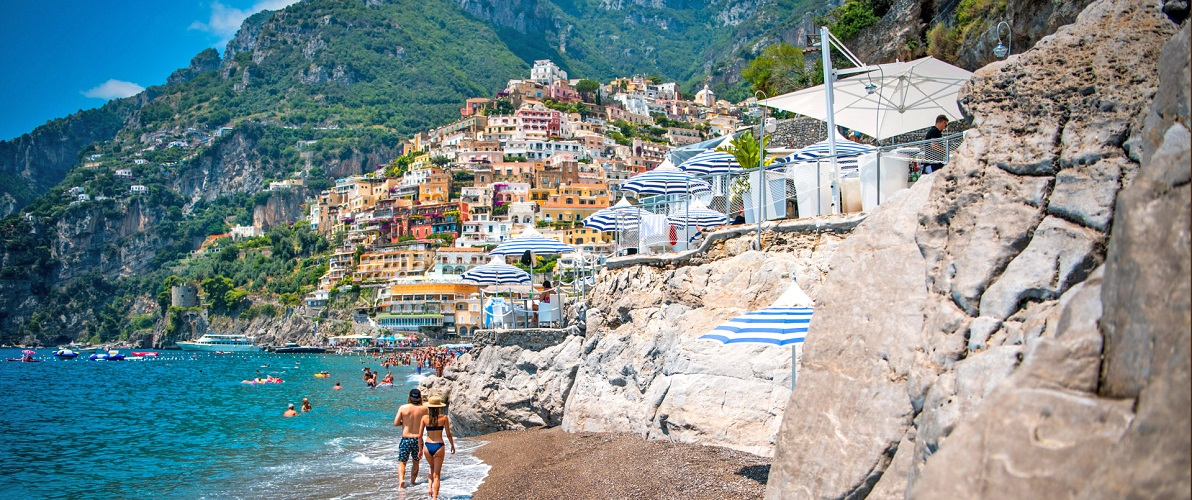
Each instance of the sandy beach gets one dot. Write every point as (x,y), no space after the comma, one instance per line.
(550,463)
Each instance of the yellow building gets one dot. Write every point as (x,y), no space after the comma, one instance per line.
(574,202)
(411,306)
(586,236)
(386,263)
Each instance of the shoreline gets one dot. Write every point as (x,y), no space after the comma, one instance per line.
(549,463)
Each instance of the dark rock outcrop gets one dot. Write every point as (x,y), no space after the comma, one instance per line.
(207,60)
(961,331)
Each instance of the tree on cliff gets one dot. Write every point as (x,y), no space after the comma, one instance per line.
(777,70)
(587,89)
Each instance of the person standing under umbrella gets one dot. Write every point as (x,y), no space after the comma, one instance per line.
(934,152)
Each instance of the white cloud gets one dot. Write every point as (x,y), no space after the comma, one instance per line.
(226,20)
(114,89)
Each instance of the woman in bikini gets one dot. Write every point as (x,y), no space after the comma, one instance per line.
(436,424)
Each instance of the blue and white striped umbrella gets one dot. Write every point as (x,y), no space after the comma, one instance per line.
(710,162)
(696,214)
(665,181)
(497,272)
(785,322)
(534,242)
(772,325)
(620,216)
(847,153)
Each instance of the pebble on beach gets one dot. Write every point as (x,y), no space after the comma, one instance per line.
(550,463)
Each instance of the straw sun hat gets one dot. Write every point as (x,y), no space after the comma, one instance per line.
(435,402)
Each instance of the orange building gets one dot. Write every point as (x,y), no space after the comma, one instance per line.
(575,202)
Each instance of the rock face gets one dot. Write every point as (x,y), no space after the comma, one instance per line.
(985,336)
(639,368)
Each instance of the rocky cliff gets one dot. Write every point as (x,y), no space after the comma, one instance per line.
(34,162)
(1018,325)
(638,367)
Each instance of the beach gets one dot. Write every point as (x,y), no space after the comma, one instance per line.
(550,463)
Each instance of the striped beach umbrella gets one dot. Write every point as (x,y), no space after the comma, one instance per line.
(534,242)
(497,272)
(785,322)
(696,214)
(847,153)
(618,216)
(772,325)
(710,163)
(665,182)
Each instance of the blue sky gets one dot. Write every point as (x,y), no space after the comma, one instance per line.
(60,56)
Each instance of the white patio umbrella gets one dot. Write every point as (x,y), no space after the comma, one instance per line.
(785,322)
(906,96)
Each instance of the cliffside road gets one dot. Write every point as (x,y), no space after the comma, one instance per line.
(550,463)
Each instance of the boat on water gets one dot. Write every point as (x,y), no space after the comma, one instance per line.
(145,354)
(292,348)
(213,342)
(26,357)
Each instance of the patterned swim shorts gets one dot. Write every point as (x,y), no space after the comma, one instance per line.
(408,447)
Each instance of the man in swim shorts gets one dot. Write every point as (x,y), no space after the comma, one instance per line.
(409,417)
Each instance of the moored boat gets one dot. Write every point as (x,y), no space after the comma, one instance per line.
(292,348)
(212,342)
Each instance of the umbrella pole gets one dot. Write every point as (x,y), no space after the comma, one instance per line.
(794,373)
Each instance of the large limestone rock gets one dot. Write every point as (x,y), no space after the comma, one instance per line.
(972,368)
(639,366)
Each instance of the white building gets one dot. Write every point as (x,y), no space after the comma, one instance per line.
(245,232)
(124,172)
(705,97)
(534,150)
(546,72)
(633,103)
(140,161)
(137,188)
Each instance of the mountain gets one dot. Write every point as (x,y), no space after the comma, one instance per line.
(405,66)
(108,204)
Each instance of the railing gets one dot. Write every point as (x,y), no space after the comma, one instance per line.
(853,183)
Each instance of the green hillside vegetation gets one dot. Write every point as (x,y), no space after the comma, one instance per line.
(326,81)
(401,66)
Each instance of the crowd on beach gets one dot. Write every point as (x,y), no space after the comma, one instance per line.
(424,357)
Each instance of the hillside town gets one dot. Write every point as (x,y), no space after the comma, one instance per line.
(545,152)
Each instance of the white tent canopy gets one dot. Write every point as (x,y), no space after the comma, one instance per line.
(907,96)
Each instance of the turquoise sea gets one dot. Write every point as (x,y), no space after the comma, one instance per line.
(184,426)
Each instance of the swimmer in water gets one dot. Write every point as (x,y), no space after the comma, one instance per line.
(337,387)
(290,412)
(305,405)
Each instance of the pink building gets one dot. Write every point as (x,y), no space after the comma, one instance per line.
(539,122)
